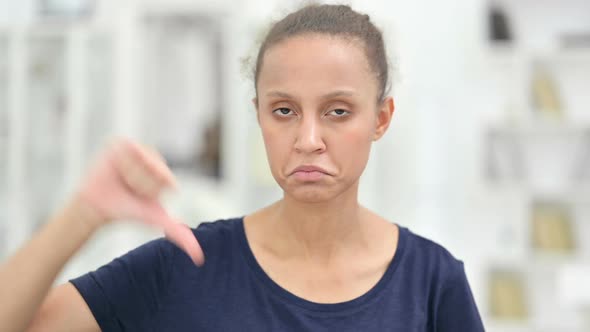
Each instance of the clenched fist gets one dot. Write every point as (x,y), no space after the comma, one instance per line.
(125,182)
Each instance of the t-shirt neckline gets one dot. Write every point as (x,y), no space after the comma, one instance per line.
(327,308)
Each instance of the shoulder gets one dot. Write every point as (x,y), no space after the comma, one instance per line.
(442,280)
(217,237)
(217,229)
(431,259)
(212,236)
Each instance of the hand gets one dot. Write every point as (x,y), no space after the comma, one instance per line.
(125,183)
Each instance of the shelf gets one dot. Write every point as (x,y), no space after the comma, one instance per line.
(536,128)
(515,62)
(541,154)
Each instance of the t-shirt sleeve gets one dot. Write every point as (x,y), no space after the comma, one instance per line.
(457,310)
(123,294)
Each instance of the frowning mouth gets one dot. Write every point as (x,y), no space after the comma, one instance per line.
(309,173)
(309,168)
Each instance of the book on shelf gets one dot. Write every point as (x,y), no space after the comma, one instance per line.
(551,228)
(507,295)
(544,92)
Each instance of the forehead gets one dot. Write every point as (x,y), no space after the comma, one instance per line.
(317,63)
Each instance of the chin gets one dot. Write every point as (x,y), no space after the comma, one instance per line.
(310,195)
(314,192)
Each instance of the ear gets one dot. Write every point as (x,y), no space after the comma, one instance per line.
(255,102)
(384,116)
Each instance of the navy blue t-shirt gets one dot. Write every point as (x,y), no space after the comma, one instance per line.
(156,287)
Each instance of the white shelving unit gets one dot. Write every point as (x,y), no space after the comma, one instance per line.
(73,84)
(546,155)
(46,108)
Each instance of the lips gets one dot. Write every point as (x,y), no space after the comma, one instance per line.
(309,169)
(309,174)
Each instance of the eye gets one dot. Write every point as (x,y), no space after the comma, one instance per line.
(283,111)
(339,112)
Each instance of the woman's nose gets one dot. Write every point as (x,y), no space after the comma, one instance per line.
(309,136)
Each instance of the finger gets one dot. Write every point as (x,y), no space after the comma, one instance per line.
(151,212)
(156,161)
(135,175)
(153,162)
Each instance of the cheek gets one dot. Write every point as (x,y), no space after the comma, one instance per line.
(358,134)
(354,145)
(276,143)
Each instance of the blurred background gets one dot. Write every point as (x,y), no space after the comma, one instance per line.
(488,152)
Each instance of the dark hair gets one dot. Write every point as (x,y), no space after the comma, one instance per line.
(333,20)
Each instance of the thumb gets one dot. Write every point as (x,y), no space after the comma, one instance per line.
(181,235)
(178,233)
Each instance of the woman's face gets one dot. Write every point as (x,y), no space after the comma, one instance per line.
(318,112)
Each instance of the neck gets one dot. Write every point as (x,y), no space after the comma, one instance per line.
(319,231)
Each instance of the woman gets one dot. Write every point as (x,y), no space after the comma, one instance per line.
(315,260)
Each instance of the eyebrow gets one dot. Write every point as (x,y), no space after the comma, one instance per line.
(334,94)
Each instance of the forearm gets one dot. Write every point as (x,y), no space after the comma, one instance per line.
(25,279)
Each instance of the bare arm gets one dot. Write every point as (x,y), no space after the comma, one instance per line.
(64,309)
(26,278)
